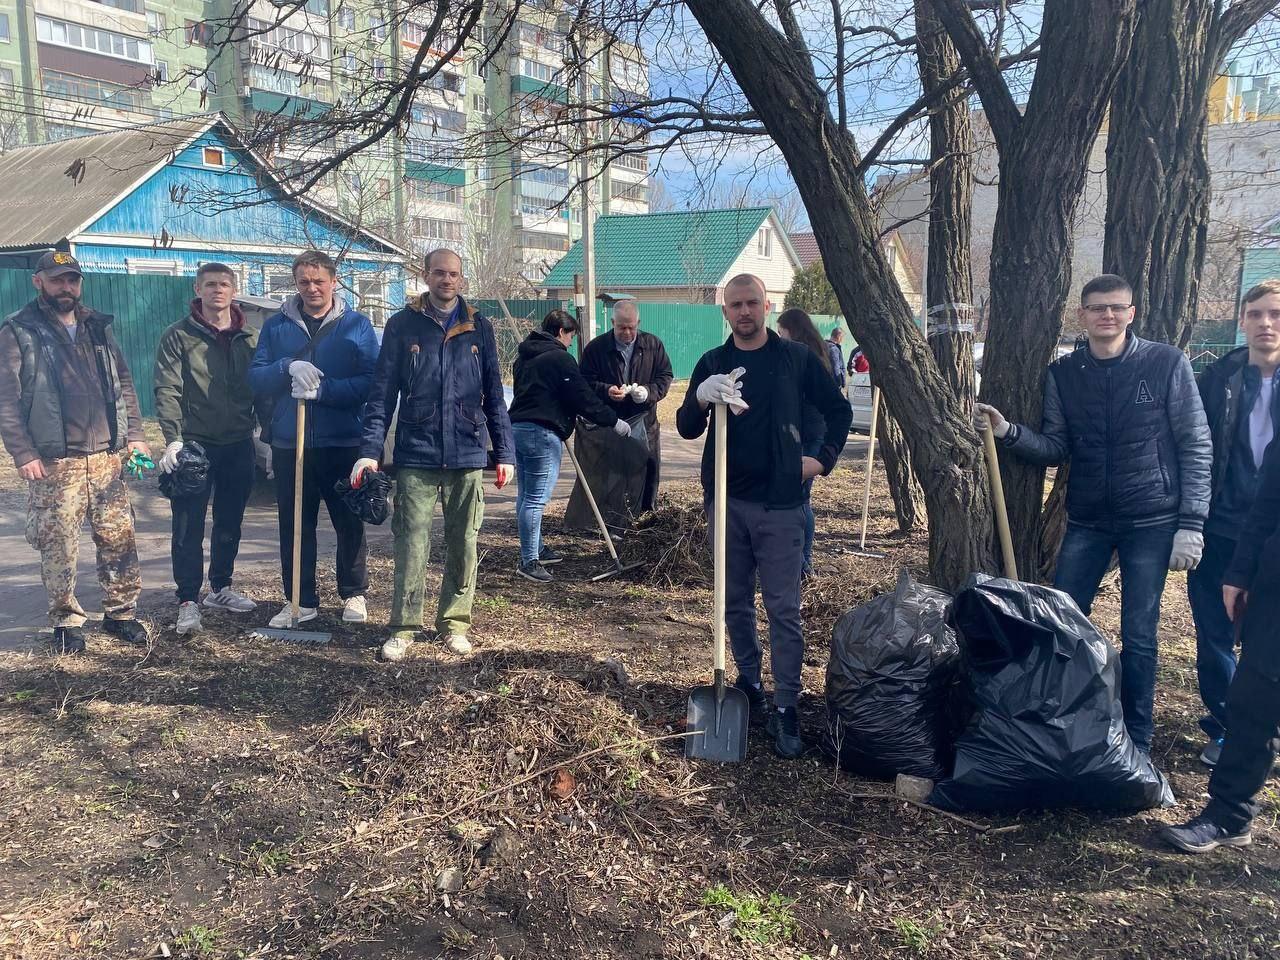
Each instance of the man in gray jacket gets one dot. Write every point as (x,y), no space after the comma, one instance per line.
(1127,414)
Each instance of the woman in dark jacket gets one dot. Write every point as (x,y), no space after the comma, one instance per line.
(795,324)
(550,394)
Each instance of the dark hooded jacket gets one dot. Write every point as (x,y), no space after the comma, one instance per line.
(550,389)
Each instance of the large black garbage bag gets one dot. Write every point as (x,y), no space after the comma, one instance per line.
(1047,728)
(615,468)
(890,685)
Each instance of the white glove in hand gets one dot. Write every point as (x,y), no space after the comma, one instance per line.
(357,472)
(169,461)
(622,428)
(1188,545)
(985,415)
(306,375)
(639,393)
(723,388)
(303,393)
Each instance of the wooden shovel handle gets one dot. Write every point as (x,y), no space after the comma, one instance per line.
(997,501)
(721,426)
(296,587)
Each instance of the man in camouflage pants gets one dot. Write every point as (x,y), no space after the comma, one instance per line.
(68,416)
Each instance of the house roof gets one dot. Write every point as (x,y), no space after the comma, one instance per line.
(50,192)
(693,248)
(806,245)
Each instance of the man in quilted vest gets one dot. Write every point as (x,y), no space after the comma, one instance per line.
(1127,415)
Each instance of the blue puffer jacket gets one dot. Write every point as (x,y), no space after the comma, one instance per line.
(345,355)
(1135,432)
(449,387)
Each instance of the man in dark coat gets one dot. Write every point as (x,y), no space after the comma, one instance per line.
(1251,595)
(1242,403)
(630,371)
(1126,413)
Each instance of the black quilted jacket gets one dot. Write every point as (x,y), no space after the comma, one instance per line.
(1135,433)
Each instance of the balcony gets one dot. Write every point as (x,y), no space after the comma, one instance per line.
(268,101)
(529,86)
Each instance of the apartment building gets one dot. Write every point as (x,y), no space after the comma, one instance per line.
(71,67)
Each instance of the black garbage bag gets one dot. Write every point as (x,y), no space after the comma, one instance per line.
(615,467)
(1047,728)
(890,685)
(190,477)
(369,501)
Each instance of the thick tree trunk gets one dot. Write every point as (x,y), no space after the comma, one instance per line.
(776,76)
(908,498)
(1044,150)
(948,275)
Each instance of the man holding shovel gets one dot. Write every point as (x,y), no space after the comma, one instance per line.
(765,381)
(1127,414)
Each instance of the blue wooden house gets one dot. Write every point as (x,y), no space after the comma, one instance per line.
(162,198)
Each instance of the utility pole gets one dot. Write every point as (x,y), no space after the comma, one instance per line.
(588,218)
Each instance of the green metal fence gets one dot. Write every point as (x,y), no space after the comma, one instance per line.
(1203,354)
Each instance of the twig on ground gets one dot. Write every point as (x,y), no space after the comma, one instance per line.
(983,828)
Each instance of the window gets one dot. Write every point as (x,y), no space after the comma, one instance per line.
(764,242)
(539,240)
(433,192)
(535,36)
(277,81)
(162,71)
(638,192)
(197,33)
(155,23)
(300,42)
(160,268)
(480,103)
(132,6)
(632,161)
(384,188)
(71,87)
(6,80)
(371,291)
(415,34)
(63,34)
(346,18)
(431,228)
(213,157)
(379,68)
(277,281)
(349,62)
(4,28)
(378,30)
(538,71)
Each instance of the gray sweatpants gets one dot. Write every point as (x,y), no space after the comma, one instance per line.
(768,545)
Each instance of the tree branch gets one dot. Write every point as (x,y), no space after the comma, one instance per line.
(787,17)
(1238,20)
(984,68)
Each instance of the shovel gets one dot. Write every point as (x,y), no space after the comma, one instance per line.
(306,638)
(718,716)
(997,501)
(618,565)
(862,550)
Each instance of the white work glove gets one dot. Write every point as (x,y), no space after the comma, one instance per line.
(723,388)
(999,425)
(1188,545)
(639,393)
(306,375)
(622,428)
(357,472)
(169,460)
(305,393)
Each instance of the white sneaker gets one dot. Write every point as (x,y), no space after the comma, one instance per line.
(188,617)
(285,617)
(396,647)
(355,610)
(458,643)
(228,599)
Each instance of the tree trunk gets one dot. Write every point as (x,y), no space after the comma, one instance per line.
(908,498)
(776,76)
(1053,525)
(1044,151)
(949,275)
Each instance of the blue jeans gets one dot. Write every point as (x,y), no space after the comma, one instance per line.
(1215,635)
(538,452)
(1144,564)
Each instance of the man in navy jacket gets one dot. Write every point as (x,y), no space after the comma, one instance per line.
(1126,413)
(319,351)
(439,361)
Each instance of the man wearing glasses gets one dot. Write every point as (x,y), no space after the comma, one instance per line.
(1127,414)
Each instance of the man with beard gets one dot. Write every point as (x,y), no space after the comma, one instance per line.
(68,417)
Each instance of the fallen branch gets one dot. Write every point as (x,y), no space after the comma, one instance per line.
(983,828)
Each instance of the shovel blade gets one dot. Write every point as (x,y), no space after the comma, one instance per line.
(717,731)
(620,569)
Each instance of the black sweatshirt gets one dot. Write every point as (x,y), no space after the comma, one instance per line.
(549,389)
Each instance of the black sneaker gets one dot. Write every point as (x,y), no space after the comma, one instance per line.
(131,631)
(548,557)
(760,706)
(785,727)
(68,640)
(534,571)
(1200,835)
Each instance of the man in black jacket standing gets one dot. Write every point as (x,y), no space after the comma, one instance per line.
(1126,412)
(629,370)
(1251,590)
(1243,406)
(765,381)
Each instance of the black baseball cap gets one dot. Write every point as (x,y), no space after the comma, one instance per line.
(55,263)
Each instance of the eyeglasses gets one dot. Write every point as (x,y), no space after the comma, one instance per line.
(1098,309)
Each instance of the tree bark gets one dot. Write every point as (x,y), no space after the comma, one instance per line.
(949,275)
(1158,185)
(908,498)
(1044,151)
(776,75)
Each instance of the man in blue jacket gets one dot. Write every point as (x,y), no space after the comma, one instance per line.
(1126,413)
(319,351)
(1242,404)
(439,361)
